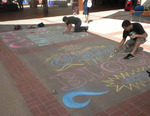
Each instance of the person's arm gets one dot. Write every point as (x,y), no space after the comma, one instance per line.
(140,32)
(69,28)
(120,44)
(144,35)
(125,34)
(66,30)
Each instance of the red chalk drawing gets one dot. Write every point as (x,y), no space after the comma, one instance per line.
(69,81)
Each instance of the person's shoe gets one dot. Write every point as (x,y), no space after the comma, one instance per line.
(148,73)
(129,56)
(90,21)
(86,28)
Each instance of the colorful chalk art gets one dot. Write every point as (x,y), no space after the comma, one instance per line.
(39,37)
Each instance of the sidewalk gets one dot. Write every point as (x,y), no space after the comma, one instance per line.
(35,62)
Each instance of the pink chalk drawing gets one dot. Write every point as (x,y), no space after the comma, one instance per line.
(69,81)
(15,40)
(17,46)
(113,66)
(12,39)
(93,76)
(8,40)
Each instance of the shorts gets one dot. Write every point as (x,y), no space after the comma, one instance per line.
(85,9)
(131,42)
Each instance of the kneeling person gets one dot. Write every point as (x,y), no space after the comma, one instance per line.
(76,21)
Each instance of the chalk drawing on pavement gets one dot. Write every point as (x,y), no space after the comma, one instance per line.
(70,48)
(68,59)
(54,35)
(69,102)
(69,81)
(15,41)
(136,78)
(39,36)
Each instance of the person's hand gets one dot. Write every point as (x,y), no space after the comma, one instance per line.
(116,49)
(64,32)
(133,36)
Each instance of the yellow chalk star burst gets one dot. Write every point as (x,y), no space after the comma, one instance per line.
(135,79)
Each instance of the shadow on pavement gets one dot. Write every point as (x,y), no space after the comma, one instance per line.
(125,15)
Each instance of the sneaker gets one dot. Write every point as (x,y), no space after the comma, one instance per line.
(86,28)
(129,56)
(90,21)
(148,73)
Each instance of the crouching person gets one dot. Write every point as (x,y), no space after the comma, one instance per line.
(137,36)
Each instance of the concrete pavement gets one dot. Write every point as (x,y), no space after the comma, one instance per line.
(34,62)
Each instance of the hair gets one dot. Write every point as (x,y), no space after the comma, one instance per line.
(126,23)
(64,19)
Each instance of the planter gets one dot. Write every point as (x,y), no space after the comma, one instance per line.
(146,13)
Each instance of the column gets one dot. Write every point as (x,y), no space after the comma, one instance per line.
(80,2)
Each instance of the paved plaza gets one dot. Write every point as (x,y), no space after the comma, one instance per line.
(47,73)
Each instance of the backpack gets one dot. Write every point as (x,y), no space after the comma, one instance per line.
(89,3)
(17,27)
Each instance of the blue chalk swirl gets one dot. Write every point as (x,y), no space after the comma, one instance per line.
(69,102)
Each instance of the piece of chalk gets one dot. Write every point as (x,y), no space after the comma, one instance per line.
(54,91)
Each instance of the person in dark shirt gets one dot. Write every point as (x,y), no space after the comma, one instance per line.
(76,21)
(137,36)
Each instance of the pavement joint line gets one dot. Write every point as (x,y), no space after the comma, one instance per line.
(49,21)
(138,107)
(146,26)
(114,33)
